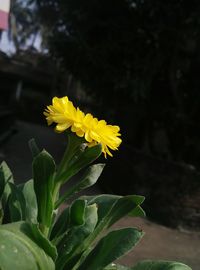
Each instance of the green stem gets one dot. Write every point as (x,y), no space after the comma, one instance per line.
(55,194)
(44,229)
(73,143)
(66,195)
(47,230)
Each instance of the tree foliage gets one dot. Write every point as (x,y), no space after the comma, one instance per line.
(138,58)
(23,25)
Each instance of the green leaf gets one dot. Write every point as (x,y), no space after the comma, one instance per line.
(33,147)
(75,147)
(74,237)
(123,207)
(160,265)
(104,201)
(137,212)
(71,216)
(31,210)
(77,212)
(18,251)
(111,247)
(111,208)
(43,172)
(42,241)
(61,225)
(16,203)
(1,214)
(6,177)
(90,177)
(2,183)
(87,156)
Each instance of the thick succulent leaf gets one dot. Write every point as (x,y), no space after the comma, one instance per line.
(123,207)
(16,203)
(91,175)
(104,201)
(80,232)
(19,251)
(61,225)
(75,147)
(87,156)
(160,265)
(77,212)
(36,235)
(137,212)
(69,248)
(111,208)
(2,182)
(90,178)
(71,216)
(43,172)
(34,148)
(111,247)
(5,212)
(31,209)
(6,177)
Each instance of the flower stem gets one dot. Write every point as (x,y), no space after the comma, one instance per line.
(73,143)
(44,229)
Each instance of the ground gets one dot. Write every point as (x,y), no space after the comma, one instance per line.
(159,242)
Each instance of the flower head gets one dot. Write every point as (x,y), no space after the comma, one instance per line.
(65,115)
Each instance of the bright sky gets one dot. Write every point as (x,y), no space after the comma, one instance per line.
(7,46)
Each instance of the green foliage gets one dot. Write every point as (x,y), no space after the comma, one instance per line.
(43,173)
(33,147)
(90,177)
(31,210)
(6,177)
(35,236)
(79,161)
(16,204)
(19,250)
(111,247)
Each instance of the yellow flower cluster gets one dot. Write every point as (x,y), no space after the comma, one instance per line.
(65,115)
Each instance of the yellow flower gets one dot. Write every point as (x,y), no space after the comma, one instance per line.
(65,115)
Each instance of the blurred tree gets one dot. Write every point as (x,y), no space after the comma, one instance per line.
(139,62)
(24,27)
(139,59)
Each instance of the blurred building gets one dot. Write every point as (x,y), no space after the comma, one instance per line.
(27,82)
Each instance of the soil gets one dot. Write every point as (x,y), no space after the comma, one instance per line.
(159,242)
(162,243)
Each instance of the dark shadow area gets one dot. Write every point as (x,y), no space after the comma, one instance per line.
(135,64)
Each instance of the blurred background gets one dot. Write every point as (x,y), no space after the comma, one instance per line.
(135,63)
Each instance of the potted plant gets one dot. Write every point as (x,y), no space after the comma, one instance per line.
(35,235)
